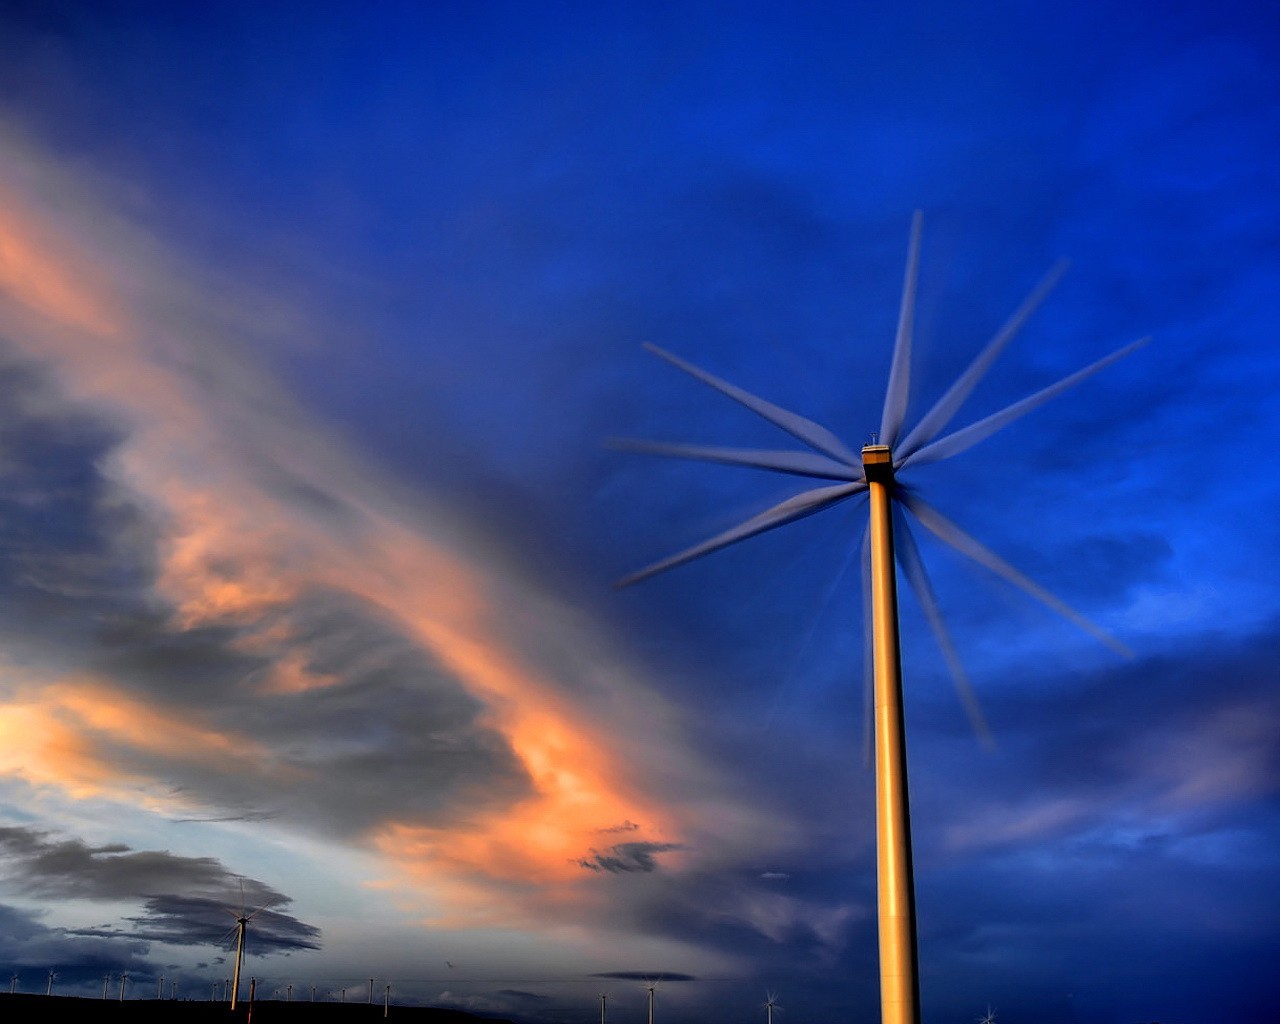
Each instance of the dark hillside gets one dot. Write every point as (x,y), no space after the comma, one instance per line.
(21,1009)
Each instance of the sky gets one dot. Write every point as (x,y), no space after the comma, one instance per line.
(316,321)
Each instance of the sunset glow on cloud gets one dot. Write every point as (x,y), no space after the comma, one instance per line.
(230,554)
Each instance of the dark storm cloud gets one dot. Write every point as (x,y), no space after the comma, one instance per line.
(186,900)
(198,920)
(70,868)
(625,858)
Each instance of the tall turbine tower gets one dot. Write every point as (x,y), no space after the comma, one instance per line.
(875,471)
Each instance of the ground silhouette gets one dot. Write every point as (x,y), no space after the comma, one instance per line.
(20,1009)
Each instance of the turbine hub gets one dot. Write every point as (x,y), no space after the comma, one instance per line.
(877,464)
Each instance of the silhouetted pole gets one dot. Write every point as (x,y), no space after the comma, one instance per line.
(899,971)
(370,991)
(603,999)
(386,1001)
(106,980)
(253,989)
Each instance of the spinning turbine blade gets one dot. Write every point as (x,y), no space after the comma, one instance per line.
(961,440)
(796,507)
(797,463)
(947,531)
(947,406)
(816,437)
(895,397)
(909,558)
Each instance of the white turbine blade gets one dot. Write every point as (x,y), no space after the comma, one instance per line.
(940,415)
(797,507)
(961,440)
(815,436)
(895,396)
(913,565)
(949,533)
(797,463)
(868,654)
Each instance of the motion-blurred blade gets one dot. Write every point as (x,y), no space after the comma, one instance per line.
(868,654)
(797,507)
(961,440)
(913,566)
(949,404)
(947,531)
(797,463)
(895,396)
(816,437)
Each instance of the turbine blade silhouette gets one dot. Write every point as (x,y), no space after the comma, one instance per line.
(908,554)
(796,463)
(796,507)
(933,422)
(895,398)
(948,532)
(961,440)
(815,436)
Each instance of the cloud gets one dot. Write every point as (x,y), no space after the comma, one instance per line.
(70,868)
(186,900)
(219,610)
(624,858)
(195,920)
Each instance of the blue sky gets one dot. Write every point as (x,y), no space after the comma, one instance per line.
(314,322)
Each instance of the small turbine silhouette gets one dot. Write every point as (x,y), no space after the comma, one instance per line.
(875,472)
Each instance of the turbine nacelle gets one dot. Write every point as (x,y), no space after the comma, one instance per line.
(877,464)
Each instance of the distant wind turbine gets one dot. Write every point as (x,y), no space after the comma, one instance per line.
(990,1018)
(770,1004)
(875,471)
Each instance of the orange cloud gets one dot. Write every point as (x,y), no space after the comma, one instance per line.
(33,277)
(232,550)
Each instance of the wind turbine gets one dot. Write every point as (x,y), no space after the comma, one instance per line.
(874,471)
(990,1017)
(770,1003)
(242,923)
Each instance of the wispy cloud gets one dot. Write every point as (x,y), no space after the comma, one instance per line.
(251,625)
